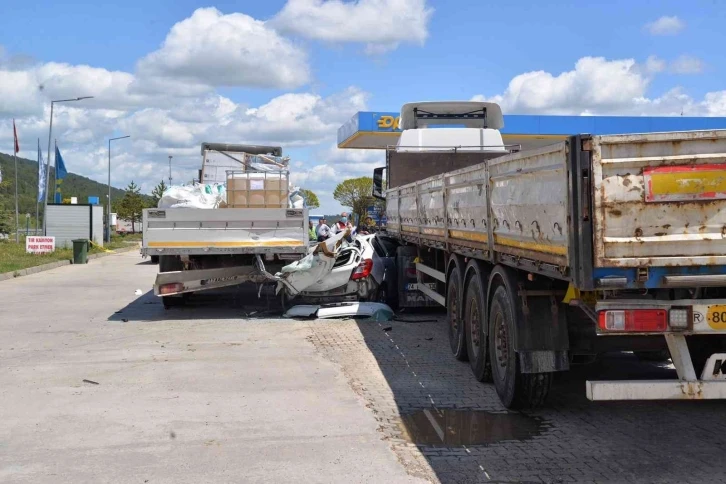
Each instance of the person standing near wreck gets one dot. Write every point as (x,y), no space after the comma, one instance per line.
(341,224)
(322,230)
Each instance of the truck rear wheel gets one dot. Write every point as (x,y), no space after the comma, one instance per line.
(174,301)
(516,390)
(170,263)
(475,319)
(457,339)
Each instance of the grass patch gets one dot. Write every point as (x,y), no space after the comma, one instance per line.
(122,241)
(14,258)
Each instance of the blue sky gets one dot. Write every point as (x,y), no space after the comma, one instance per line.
(639,59)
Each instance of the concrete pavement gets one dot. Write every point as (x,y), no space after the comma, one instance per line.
(198,394)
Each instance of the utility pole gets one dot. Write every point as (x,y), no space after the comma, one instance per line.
(47,168)
(108,219)
(169,170)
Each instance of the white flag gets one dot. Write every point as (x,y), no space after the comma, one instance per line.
(41,175)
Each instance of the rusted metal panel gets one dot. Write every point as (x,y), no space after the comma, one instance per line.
(431,206)
(466,205)
(408,214)
(529,203)
(660,199)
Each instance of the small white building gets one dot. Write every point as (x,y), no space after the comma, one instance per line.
(69,222)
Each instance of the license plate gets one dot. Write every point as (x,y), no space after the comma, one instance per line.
(716,316)
(412,286)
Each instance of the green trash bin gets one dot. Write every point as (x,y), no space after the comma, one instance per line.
(80,251)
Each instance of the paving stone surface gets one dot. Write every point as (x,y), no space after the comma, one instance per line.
(410,367)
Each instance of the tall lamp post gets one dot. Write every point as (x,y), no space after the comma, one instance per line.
(108,219)
(47,161)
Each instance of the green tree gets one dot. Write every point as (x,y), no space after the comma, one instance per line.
(131,205)
(356,193)
(157,192)
(311,200)
(7,221)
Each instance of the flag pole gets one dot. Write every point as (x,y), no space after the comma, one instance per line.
(55,171)
(15,159)
(37,202)
(17,232)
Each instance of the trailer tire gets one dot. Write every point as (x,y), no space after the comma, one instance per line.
(516,390)
(154,259)
(658,356)
(474,321)
(457,335)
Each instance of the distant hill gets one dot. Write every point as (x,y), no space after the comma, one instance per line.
(73,186)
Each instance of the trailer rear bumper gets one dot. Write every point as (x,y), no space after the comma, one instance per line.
(181,282)
(656,390)
(710,386)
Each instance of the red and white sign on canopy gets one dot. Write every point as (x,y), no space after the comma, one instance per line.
(39,245)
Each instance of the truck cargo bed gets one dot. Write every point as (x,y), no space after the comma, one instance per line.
(640,207)
(192,231)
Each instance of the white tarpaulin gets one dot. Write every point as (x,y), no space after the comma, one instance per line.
(193,196)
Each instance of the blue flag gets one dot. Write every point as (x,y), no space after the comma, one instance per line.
(41,175)
(60,167)
(60,174)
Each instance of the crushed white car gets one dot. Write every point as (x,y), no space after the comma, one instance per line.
(362,271)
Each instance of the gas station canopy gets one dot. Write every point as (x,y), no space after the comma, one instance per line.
(377,130)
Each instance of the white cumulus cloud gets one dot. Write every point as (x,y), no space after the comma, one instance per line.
(227,50)
(380,24)
(600,86)
(665,25)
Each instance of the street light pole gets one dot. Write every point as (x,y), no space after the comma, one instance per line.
(108,219)
(47,161)
(170,170)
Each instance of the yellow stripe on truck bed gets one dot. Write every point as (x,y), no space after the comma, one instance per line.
(245,243)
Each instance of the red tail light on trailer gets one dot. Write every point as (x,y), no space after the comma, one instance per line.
(633,320)
(171,288)
(363,270)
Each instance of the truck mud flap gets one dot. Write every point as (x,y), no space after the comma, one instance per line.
(542,340)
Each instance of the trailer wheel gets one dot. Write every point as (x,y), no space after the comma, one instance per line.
(475,319)
(154,259)
(516,390)
(457,338)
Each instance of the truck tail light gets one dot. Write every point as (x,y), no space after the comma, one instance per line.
(171,288)
(363,270)
(634,320)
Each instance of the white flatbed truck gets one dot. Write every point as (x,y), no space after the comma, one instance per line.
(549,257)
(202,249)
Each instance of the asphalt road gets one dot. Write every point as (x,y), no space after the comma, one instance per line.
(190,395)
(222,391)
